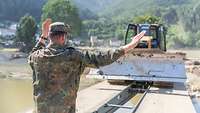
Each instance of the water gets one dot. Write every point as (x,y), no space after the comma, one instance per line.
(15,96)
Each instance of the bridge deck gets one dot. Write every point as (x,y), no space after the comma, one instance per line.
(162,100)
(92,98)
(157,100)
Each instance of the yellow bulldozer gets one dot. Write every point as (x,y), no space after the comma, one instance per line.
(149,61)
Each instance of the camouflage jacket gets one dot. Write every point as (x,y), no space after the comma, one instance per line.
(56,75)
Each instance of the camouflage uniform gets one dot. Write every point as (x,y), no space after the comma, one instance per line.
(56,75)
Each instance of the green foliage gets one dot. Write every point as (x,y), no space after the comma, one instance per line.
(170,16)
(166,3)
(109,18)
(87,14)
(173,40)
(189,21)
(147,19)
(94,5)
(181,16)
(131,8)
(104,28)
(178,38)
(26,32)
(64,11)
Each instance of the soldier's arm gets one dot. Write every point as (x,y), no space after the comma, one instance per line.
(39,45)
(45,30)
(97,59)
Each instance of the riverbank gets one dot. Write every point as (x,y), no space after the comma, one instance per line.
(13,68)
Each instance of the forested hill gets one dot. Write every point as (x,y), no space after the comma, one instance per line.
(94,6)
(108,18)
(13,10)
(182,17)
(128,8)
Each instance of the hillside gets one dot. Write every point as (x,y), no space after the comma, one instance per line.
(109,18)
(130,8)
(13,10)
(110,8)
(93,5)
(180,16)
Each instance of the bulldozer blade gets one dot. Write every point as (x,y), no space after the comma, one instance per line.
(147,66)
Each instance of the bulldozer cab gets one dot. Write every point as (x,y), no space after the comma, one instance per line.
(153,38)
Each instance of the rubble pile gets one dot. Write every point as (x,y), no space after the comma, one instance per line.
(193,66)
(193,72)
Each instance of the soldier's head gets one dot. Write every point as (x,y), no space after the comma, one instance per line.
(58,33)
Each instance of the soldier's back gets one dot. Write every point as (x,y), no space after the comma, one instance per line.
(56,79)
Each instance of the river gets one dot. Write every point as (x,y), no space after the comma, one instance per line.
(15,96)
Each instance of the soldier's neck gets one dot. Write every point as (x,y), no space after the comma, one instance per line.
(51,44)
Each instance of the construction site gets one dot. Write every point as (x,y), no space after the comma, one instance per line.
(147,79)
(99,56)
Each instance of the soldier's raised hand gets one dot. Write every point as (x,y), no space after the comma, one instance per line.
(134,42)
(45,27)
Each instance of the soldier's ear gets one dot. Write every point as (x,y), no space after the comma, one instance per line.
(65,36)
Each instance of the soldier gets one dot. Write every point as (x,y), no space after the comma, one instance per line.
(57,68)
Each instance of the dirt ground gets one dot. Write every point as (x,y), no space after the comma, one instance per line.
(193,72)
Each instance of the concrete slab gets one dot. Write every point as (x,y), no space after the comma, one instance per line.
(92,98)
(163,100)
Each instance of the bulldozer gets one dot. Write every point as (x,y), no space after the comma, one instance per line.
(155,36)
(149,61)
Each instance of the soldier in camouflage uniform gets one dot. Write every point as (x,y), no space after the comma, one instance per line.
(57,69)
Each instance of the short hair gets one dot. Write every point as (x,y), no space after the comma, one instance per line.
(56,35)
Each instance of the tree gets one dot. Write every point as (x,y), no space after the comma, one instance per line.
(26,31)
(64,11)
(171,16)
(147,19)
